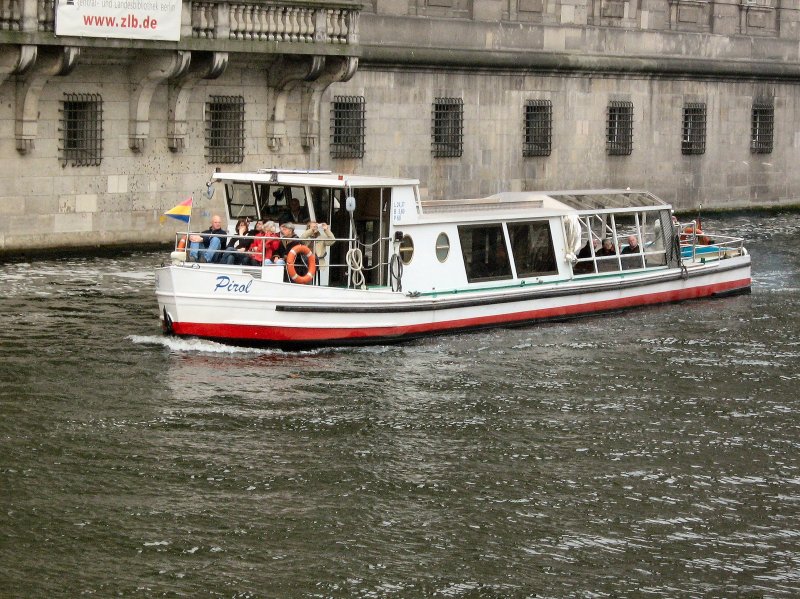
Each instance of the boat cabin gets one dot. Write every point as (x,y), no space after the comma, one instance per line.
(405,244)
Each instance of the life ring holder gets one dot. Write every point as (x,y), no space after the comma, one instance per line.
(312,264)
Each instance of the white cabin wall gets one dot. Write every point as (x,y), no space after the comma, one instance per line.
(425,271)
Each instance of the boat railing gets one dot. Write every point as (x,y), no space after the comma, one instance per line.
(255,261)
(701,246)
(646,257)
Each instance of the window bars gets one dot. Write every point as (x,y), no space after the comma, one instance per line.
(538,128)
(693,140)
(347,127)
(762,127)
(619,130)
(448,127)
(81,140)
(225,129)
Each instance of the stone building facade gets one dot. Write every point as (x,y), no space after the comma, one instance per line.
(695,100)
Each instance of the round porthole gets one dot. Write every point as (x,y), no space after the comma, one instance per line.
(442,247)
(406,249)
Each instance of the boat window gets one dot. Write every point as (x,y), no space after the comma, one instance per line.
(442,247)
(241,202)
(484,250)
(639,239)
(274,202)
(532,247)
(406,249)
(326,202)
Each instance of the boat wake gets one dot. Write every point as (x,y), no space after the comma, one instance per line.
(177,344)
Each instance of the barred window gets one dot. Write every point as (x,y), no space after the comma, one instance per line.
(347,127)
(762,127)
(225,129)
(538,128)
(448,127)
(694,128)
(81,141)
(619,132)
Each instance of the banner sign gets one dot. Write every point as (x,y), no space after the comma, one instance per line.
(128,19)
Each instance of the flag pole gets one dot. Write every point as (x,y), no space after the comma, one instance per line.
(189,222)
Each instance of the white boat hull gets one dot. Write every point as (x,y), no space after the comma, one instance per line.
(233,306)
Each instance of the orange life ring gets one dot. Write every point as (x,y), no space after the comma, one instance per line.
(182,243)
(312,264)
(701,238)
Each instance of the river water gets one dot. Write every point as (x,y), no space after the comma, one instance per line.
(652,453)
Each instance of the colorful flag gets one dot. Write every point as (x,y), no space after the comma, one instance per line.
(182,211)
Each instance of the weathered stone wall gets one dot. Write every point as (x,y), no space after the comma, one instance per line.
(398,136)
(44,203)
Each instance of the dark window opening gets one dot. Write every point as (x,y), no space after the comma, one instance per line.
(348,127)
(448,127)
(484,250)
(532,247)
(762,128)
(619,131)
(225,130)
(538,128)
(81,129)
(694,129)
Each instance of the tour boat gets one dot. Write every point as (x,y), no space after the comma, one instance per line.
(400,267)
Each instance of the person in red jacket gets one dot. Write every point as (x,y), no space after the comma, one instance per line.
(265,243)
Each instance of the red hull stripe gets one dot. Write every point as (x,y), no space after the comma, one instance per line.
(296,334)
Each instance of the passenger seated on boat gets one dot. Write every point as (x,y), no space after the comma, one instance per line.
(633,248)
(586,252)
(204,247)
(264,245)
(236,250)
(257,228)
(605,253)
(295,213)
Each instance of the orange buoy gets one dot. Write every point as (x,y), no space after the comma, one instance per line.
(312,264)
(181,243)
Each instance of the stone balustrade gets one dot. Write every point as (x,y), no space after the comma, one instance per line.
(273,22)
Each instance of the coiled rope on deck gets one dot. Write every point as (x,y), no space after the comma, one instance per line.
(355,261)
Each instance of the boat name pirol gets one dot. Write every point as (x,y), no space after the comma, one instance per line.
(226,283)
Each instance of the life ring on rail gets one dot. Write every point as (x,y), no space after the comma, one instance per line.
(181,243)
(689,231)
(312,264)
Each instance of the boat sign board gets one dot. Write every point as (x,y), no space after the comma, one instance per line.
(127,19)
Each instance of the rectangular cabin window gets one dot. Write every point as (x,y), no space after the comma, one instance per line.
(241,202)
(327,201)
(484,250)
(532,247)
(282,203)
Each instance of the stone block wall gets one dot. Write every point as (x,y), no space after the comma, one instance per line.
(398,136)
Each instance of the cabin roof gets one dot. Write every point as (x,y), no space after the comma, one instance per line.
(318,178)
(550,201)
